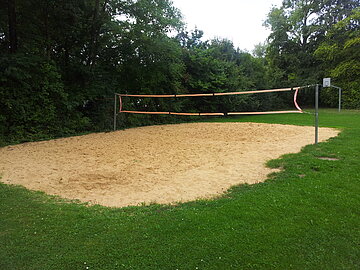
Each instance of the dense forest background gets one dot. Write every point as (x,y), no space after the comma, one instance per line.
(62,61)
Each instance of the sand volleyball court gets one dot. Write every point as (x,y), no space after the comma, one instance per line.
(162,164)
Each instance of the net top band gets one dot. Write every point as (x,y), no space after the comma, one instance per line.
(211,94)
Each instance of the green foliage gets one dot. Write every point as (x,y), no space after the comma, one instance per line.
(298,28)
(340,54)
(216,66)
(33,103)
(73,55)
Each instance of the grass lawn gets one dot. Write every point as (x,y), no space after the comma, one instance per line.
(305,217)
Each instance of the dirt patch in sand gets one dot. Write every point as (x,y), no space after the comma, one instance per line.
(163,164)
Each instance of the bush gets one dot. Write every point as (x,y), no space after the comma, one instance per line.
(33,103)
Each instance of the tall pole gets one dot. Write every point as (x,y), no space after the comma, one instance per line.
(115,112)
(316,113)
(339,99)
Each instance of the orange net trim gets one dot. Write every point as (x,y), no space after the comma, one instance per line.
(211,114)
(269,112)
(295,99)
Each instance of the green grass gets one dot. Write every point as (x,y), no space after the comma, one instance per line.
(305,217)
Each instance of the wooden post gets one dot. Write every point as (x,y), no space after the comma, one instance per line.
(115,113)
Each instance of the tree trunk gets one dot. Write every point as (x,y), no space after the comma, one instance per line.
(95,32)
(12,26)
(93,39)
(46,26)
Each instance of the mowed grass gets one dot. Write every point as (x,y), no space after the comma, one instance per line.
(305,217)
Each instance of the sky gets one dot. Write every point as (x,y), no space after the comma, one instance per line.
(240,21)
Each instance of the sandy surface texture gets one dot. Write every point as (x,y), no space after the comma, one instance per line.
(163,164)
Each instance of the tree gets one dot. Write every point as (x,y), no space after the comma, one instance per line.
(217,66)
(84,51)
(298,27)
(12,26)
(340,55)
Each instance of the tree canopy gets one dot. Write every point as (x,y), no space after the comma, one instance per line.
(340,55)
(61,61)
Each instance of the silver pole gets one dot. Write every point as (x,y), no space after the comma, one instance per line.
(115,114)
(316,114)
(339,99)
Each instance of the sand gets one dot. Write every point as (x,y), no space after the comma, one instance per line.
(154,164)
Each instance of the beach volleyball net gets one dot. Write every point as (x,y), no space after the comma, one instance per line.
(122,104)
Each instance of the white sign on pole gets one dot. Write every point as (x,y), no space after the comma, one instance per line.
(326,82)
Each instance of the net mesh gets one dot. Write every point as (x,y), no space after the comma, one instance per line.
(295,90)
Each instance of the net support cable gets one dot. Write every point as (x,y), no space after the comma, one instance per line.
(296,89)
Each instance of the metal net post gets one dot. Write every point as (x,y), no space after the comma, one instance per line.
(316,114)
